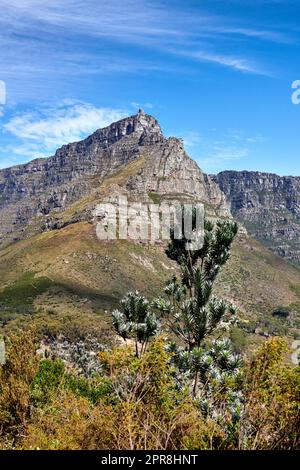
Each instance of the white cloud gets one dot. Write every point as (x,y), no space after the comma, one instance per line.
(132,20)
(236,63)
(240,64)
(57,39)
(265,35)
(39,134)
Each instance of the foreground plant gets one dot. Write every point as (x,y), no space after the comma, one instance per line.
(136,402)
(16,376)
(135,320)
(271,416)
(190,309)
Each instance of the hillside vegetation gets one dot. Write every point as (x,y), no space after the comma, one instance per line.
(172,384)
(69,273)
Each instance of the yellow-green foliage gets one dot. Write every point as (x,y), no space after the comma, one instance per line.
(15,379)
(272,395)
(142,411)
(135,403)
(61,424)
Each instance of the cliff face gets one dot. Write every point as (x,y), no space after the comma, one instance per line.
(269,207)
(32,194)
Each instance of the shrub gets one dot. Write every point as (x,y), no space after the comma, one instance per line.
(272,396)
(47,380)
(16,376)
(59,425)
(143,410)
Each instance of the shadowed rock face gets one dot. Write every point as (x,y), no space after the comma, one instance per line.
(31,193)
(268,205)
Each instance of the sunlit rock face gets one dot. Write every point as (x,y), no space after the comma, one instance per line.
(34,194)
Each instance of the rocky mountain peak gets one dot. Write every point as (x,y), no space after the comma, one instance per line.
(141,126)
(33,193)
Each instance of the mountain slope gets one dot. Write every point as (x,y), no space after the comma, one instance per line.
(59,275)
(55,270)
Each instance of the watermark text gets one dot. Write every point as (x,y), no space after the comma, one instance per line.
(150,222)
(296,93)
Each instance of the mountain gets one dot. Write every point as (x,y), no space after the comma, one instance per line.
(33,195)
(269,207)
(54,270)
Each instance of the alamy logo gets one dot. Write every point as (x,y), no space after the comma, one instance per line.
(2,93)
(296,93)
(150,222)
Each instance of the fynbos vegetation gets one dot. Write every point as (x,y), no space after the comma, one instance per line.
(172,383)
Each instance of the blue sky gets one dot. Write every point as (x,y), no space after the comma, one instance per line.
(217,73)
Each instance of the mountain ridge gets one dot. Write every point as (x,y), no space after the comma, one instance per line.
(55,270)
(269,207)
(32,193)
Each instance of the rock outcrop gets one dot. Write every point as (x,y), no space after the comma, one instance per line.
(268,205)
(31,194)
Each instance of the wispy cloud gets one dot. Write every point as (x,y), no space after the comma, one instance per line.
(190,139)
(77,37)
(214,155)
(264,35)
(40,133)
(236,63)
(220,157)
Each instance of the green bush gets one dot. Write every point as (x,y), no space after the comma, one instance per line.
(239,338)
(49,377)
